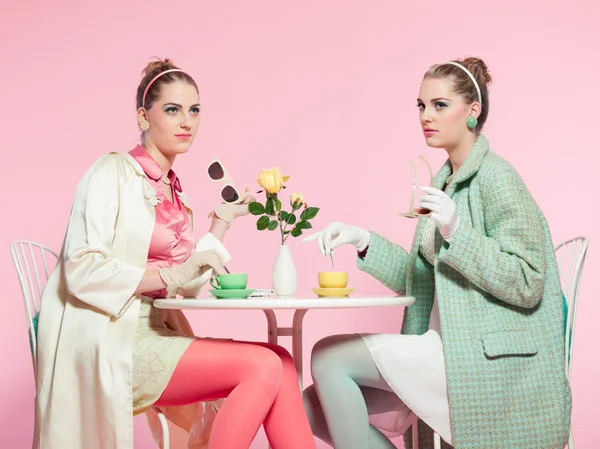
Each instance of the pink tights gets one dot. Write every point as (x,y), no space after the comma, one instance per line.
(261,386)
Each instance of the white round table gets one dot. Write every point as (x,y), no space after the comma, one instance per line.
(300,304)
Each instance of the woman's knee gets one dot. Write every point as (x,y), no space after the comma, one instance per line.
(314,412)
(262,365)
(326,353)
(281,352)
(312,404)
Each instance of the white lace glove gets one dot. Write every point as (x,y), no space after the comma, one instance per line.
(229,212)
(443,211)
(337,234)
(191,269)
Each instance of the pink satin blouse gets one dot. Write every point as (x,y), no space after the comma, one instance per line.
(172,239)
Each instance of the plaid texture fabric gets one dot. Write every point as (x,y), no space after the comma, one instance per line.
(500,304)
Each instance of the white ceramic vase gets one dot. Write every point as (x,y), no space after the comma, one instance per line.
(284,277)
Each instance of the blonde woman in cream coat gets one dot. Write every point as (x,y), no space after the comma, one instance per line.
(104,353)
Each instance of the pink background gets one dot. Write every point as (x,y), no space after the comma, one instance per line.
(327,91)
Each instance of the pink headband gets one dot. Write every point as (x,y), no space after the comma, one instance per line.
(154,79)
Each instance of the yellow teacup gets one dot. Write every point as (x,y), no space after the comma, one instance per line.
(333,279)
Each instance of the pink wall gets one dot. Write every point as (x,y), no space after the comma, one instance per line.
(324,89)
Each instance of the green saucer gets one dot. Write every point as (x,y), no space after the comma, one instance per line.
(232,294)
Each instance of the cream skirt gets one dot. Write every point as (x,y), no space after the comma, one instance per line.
(157,350)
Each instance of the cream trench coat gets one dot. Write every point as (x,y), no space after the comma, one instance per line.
(89,314)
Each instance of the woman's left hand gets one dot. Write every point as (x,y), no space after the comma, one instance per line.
(443,210)
(229,212)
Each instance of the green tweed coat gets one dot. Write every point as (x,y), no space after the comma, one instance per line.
(501,310)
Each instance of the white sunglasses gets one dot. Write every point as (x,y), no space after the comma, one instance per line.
(217,172)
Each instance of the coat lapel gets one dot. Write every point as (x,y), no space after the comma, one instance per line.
(466,171)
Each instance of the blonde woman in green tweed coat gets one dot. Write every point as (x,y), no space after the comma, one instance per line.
(480,355)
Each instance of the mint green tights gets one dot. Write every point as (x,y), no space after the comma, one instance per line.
(347,389)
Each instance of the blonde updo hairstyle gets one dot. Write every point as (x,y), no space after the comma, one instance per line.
(463,84)
(149,72)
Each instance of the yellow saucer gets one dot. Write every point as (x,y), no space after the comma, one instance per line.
(333,292)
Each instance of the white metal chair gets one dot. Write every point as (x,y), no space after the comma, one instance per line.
(34,264)
(570,256)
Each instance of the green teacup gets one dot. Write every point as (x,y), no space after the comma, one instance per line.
(233,281)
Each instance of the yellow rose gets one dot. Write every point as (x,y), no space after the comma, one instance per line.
(271,180)
(297,197)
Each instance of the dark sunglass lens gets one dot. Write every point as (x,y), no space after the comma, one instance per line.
(229,194)
(215,171)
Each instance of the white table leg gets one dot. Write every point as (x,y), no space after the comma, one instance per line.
(274,332)
(272,329)
(297,342)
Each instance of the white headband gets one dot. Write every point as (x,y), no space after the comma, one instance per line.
(470,76)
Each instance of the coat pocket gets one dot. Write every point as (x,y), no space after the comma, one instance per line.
(509,344)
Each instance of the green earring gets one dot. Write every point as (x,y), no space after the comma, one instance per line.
(471,122)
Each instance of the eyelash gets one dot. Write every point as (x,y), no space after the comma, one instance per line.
(438,105)
(174,110)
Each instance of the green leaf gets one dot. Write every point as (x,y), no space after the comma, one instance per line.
(278,205)
(287,231)
(303,224)
(262,223)
(291,219)
(273,225)
(283,215)
(270,206)
(296,232)
(308,213)
(256,208)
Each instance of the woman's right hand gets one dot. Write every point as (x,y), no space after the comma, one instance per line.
(192,268)
(337,234)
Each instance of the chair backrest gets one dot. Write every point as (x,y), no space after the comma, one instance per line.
(34,264)
(570,256)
